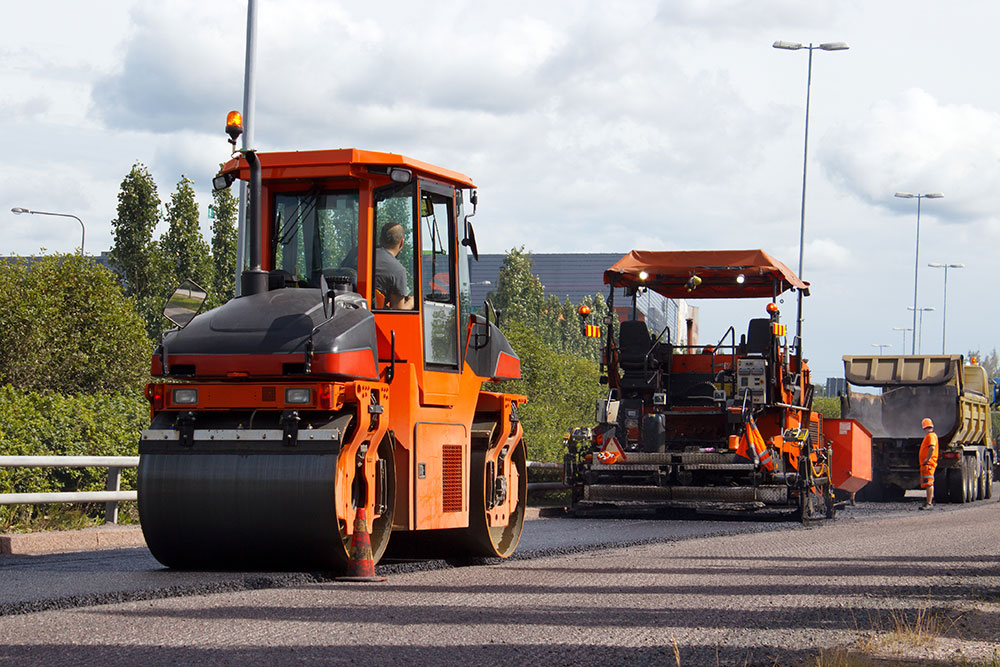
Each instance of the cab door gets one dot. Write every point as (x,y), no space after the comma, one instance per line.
(439,294)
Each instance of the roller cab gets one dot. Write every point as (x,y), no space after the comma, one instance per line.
(347,374)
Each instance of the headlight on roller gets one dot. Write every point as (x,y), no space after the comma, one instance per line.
(298,396)
(186,396)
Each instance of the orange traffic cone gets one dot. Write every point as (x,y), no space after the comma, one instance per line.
(360,564)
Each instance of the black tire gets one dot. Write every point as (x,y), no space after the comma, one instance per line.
(981,483)
(970,480)
(989,479)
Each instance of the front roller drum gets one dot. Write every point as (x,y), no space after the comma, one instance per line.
(219,506)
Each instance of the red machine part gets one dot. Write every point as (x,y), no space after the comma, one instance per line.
(852,453)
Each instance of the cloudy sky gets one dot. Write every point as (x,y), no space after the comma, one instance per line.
(588,126)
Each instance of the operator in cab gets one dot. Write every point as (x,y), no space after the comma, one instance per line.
(390,275)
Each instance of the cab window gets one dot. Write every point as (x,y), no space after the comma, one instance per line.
(314,232)
(393,254)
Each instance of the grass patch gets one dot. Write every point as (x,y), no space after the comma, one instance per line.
(904,632)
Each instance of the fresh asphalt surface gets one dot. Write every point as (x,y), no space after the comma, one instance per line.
(60,581)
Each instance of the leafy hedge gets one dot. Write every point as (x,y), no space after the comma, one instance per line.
(39,424)
(561,389)
(65,326)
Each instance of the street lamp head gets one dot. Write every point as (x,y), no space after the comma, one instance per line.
(834,46)
(904,195)
(791,46)
(933,195)
(17,210)
(956,266)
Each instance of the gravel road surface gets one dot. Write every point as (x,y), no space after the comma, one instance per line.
(757,594)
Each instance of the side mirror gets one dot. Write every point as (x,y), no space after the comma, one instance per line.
(470,234)
(185,303)
(470,239)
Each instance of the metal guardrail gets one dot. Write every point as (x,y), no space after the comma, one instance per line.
(545,486)
(112,495)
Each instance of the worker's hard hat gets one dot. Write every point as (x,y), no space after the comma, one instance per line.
(926,423)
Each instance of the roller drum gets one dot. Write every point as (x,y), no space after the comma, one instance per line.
(259,506)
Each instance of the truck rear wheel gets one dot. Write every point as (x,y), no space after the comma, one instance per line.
(988,473)
(970,480)
(956,484)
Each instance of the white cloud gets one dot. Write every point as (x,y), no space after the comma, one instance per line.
(915,143)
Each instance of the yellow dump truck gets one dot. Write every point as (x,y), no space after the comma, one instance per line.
(955,395)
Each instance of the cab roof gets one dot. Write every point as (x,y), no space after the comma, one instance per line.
(669,273)
(340,162)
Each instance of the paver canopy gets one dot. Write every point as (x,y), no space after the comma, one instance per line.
(670,273)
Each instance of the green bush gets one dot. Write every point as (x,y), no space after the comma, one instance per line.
(828,406)
(561,390)
(41,424)
(65,326)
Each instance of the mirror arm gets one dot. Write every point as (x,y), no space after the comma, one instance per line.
(163,355)
(311,346)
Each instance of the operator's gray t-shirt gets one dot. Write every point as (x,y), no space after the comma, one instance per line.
(390,276)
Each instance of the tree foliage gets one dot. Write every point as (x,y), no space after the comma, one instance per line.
(225,205)
(138,214)
(559,365)
(185,249)
(67,327)
(135,255)
(562,390)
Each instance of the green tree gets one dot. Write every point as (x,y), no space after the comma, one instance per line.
(67,327)
(135,255)
(519,296)
(225,205)
(562,390)
(559,365)
(186,252)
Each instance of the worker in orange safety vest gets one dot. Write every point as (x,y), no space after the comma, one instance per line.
(928,461)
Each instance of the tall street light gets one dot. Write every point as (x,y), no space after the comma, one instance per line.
(944,310)
(916,261)
(880,346)
(83,230)
(904,330)
(795,46)
(920,328)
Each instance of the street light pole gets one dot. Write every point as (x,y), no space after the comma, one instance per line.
(916,260)
(904,330)
(920,329)
(880,346)
(18,210)
(795,46)
(944,310)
